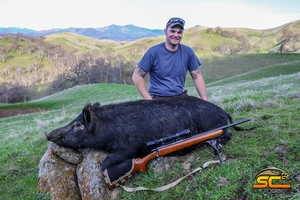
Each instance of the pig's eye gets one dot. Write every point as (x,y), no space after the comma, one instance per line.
(77,124)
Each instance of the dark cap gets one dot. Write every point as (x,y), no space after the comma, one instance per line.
(175,21)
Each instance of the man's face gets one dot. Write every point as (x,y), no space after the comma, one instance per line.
(173,35)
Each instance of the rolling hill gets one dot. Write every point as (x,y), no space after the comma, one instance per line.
(260,41)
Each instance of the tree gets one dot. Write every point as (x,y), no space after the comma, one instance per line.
(218,30)
(42,52)
(20,50)
(127,71)
(30,48)
(96,71)
(137,50)
(12,93)
(14,45)
(20,93)
(60,83)
(198,47)
(3,53)
(209,30)
(34,66)
(5,92)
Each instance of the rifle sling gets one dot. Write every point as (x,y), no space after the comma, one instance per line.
(173,184)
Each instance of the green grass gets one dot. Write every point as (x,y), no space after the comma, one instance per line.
(218,67)
(266,72)
(273,104)
(79,43)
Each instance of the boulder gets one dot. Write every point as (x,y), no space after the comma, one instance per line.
(57,176)
(65,173)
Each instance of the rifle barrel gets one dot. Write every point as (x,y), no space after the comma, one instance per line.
(226,126)
(203,133)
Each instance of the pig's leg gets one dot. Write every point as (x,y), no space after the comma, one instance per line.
(113,159)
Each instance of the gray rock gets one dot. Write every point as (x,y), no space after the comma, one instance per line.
(65,173)
(57,176)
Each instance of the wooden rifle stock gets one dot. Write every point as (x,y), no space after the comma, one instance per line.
(114,179)
(117,174)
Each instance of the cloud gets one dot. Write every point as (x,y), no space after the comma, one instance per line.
(47,14)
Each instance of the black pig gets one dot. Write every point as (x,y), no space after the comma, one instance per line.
(124,129)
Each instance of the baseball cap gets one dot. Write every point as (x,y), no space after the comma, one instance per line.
(175,21)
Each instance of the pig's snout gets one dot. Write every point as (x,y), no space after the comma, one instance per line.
(47,135)
(54,136)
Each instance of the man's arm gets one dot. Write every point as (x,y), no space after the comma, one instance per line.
(199,84)
(139,82)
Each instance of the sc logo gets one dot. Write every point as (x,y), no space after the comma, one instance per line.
(272,178)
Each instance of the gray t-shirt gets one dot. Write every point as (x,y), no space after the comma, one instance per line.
(168,69)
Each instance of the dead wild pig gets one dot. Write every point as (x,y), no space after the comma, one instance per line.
(124,129)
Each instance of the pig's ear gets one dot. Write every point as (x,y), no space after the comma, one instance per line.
(96,106)
(88,116)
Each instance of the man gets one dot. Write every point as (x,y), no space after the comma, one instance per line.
(167,64)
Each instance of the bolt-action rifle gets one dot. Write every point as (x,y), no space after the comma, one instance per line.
(117,174)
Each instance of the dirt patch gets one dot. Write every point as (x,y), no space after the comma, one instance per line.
(12,112)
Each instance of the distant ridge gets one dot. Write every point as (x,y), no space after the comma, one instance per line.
(121,33)
(112,32)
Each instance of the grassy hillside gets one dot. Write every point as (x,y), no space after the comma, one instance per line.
(266,72)
(79,43)
(218,67)
(23,55)
(273,104)
(222,69)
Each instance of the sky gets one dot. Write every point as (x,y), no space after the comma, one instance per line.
(151,14)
